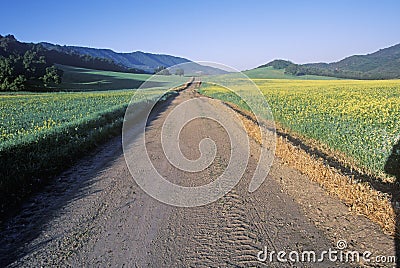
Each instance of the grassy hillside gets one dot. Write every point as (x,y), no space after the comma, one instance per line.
(386,60)
(383,64)
(81,79)
(271,73)
(76,79)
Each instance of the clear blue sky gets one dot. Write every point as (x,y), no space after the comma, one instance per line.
(242,34)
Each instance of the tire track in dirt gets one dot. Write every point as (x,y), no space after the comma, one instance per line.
(231,231)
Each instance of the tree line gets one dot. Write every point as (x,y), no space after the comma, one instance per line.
(30,66)
(299,70)
(162,70)
(22,65)
(384,64)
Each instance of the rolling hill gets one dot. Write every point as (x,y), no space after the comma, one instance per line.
(382,64)
(136,60)
(29,66)
(82,79)
(37,66)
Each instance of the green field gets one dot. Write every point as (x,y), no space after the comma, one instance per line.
(357,118)
(25,114)
(28,115)
(43,133)
(85,79)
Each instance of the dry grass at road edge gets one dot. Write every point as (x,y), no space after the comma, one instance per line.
(359,197)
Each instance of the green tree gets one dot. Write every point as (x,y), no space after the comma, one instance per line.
(161,70)
(180,72)
(24,66)
(52,76)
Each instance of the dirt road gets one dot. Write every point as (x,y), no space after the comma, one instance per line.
(95,214)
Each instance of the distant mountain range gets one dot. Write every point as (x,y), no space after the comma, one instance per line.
(383,64)
(138,60)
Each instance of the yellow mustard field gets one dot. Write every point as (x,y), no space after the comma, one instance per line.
(358,118)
